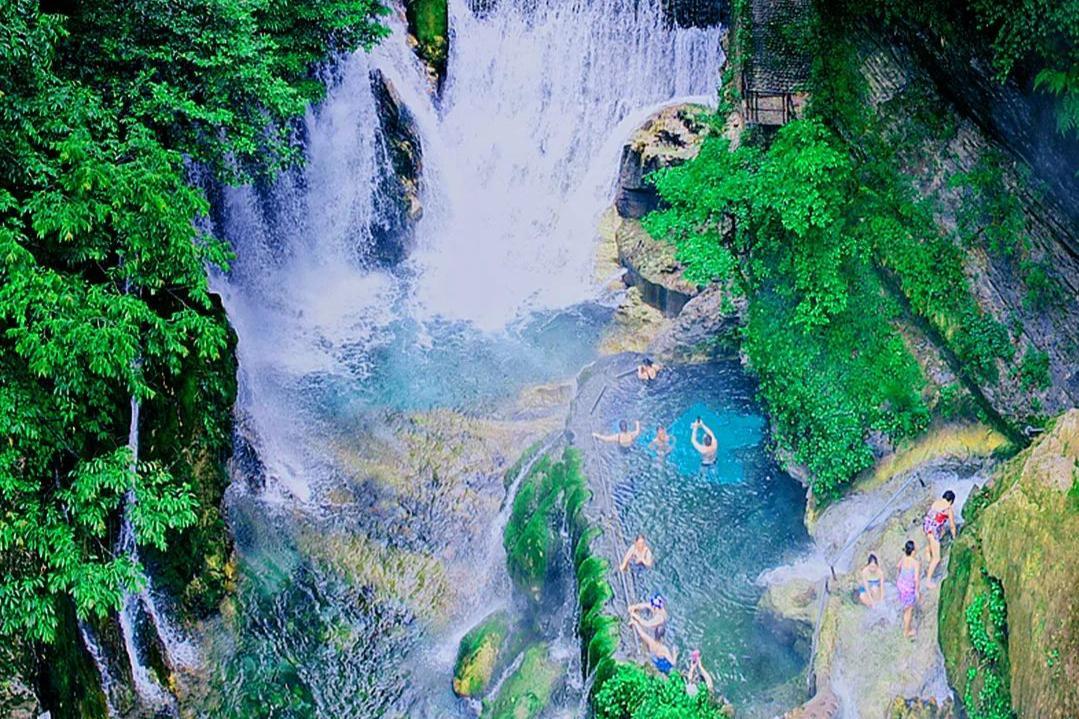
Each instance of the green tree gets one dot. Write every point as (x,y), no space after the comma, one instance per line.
(103,290)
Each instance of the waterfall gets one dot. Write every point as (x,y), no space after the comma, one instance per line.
(519,159)
(177,652)
(108,683)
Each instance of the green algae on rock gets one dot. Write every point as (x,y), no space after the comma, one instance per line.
(1022,534)
(527,691)
(478,655)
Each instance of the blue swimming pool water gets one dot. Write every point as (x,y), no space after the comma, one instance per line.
(714,529)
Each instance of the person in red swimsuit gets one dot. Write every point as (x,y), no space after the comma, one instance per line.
(940,512)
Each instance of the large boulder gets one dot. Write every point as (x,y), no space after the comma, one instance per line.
(479,654)
(398,185)
(1022,535)
(668,138)
(651,267)
(527,691)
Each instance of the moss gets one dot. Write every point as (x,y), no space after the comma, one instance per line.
(428,21)
(68,682)
(196,570)
(478,655)
(526,692)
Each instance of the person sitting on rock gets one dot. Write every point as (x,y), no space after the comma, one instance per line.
(707,444)
(647,370)
(623,437)
(871,590)
(639,554)
(697,673)
(907,582)
(657,614)
(662,656)
(940,512)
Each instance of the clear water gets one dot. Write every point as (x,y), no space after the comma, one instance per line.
(713,529)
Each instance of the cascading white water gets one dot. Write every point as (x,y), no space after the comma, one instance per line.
(519,158)
(538,101)
(97,654)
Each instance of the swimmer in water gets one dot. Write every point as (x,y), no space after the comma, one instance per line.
(663,658)
(639,554)
(648,370)
(707,444)
(661,443)
(623,438)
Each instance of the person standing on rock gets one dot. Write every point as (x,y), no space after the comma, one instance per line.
(624,438)
(907,582)
(940,512)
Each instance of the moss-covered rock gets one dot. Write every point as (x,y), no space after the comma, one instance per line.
(429,24)
(478,655)
(526,692)
(1023,532)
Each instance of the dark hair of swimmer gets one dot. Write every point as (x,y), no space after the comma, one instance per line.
(647,362)
(872,560)
(949,495)
(640,537)
(707,440)
(908,548)
(623,425)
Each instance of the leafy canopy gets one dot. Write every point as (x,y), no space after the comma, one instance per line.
(103,291)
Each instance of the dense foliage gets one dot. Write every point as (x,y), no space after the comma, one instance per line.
(1035,42)
(103,291)
(840,254)
(987,626)
(632,692)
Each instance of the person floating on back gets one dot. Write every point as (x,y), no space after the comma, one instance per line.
(871,589)
(906,581)
(697,673)
(623,437)
(647,370)
(707,444)
(657,615)
(663,658)
(940,512)
(639,554)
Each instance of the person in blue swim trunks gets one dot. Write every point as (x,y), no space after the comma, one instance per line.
(663,657)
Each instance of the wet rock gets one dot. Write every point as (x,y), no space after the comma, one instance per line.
(398,191)
(1022,530)
(428,27)
(669,138)
(823,705)
(790,608)
(1040,308)
(921,709)
(528,690)
(478,654)
(653,269)
(705,326)
(17,700)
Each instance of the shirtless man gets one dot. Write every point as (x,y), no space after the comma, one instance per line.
(639,554)
(623,438)
(706,445)
(663,658)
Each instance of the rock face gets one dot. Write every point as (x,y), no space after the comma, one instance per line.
(1023,531)
(1031,286)
(669,138)
(478,655)
(527,691)
(652,269)
(398,188)
(705,323)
